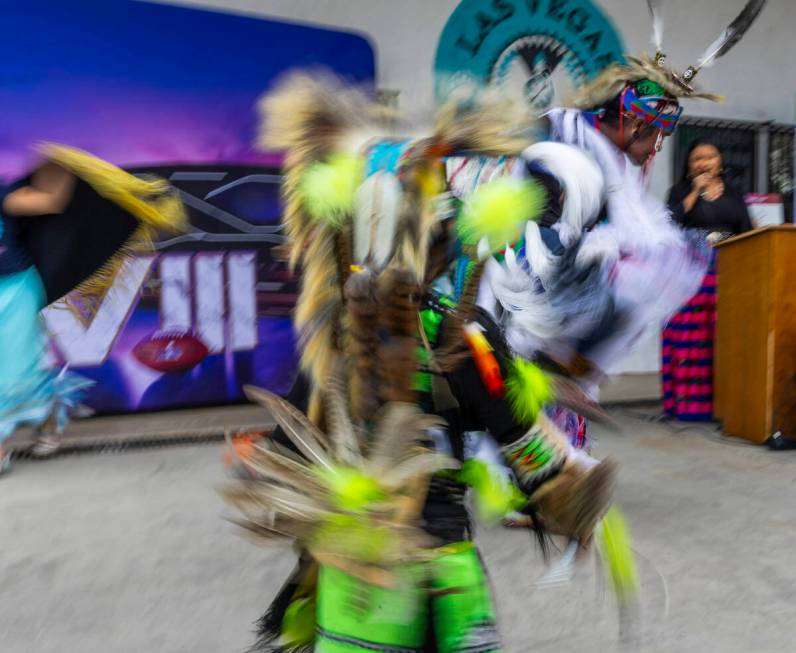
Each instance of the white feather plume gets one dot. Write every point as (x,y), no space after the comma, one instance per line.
(541,259)
(581,181)
(532,317)
(377,203)
(656,13)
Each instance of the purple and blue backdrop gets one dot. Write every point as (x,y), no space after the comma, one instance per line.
(171,91)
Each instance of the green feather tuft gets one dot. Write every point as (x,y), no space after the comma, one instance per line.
(528,390)
(613,537)
(298,624)
(351,489)
(498,211)
(327,189)
(495,495)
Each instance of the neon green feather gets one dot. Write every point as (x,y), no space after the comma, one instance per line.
(298,624)
(528,389)
(495,494)
(613,537)
(351,489)
(498,211)
(327,189)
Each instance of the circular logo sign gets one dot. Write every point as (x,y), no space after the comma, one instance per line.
(537,51)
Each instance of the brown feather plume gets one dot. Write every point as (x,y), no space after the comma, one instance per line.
(309,116)
(318,312)
(453,349)
(362,344)
(422,179)
(399,301)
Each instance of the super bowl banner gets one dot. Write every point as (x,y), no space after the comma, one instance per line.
(170,91)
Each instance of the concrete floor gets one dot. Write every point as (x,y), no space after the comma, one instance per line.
(213,421)
(130,553)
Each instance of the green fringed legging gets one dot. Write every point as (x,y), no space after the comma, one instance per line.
(442,605)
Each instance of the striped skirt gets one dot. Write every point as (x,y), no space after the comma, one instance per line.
(687,366)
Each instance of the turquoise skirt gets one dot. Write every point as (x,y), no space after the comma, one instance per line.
(30,393)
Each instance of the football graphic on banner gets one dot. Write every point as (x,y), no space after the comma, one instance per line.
(171,351)
(208,311)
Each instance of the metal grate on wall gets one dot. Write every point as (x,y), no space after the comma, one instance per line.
(781,167)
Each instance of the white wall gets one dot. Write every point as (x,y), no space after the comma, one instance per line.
(758,77)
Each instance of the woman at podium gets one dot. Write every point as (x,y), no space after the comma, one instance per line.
(711,210)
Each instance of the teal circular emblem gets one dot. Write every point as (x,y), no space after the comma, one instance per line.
(535,50)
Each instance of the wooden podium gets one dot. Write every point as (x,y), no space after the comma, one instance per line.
(755,349)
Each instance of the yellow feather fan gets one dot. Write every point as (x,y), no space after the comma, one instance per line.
(152,201)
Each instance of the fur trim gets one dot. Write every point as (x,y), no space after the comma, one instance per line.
(609,83)
(399,300)
(486,126)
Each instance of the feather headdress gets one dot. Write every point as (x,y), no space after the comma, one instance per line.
(611,81)
(614,78)
(727,39)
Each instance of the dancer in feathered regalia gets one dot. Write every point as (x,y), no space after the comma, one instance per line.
(366,473)
(606,261)
(67,226)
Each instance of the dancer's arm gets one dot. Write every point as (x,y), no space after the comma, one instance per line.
(535,451)
(48,192)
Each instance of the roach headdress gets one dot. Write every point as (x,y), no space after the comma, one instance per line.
(670,82)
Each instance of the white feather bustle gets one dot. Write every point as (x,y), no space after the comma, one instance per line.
(533,319)
(581,182)
(583,188)
(646,267)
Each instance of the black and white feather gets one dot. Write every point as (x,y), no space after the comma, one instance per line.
(734,33)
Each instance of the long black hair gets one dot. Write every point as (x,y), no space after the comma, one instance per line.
(699,142)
